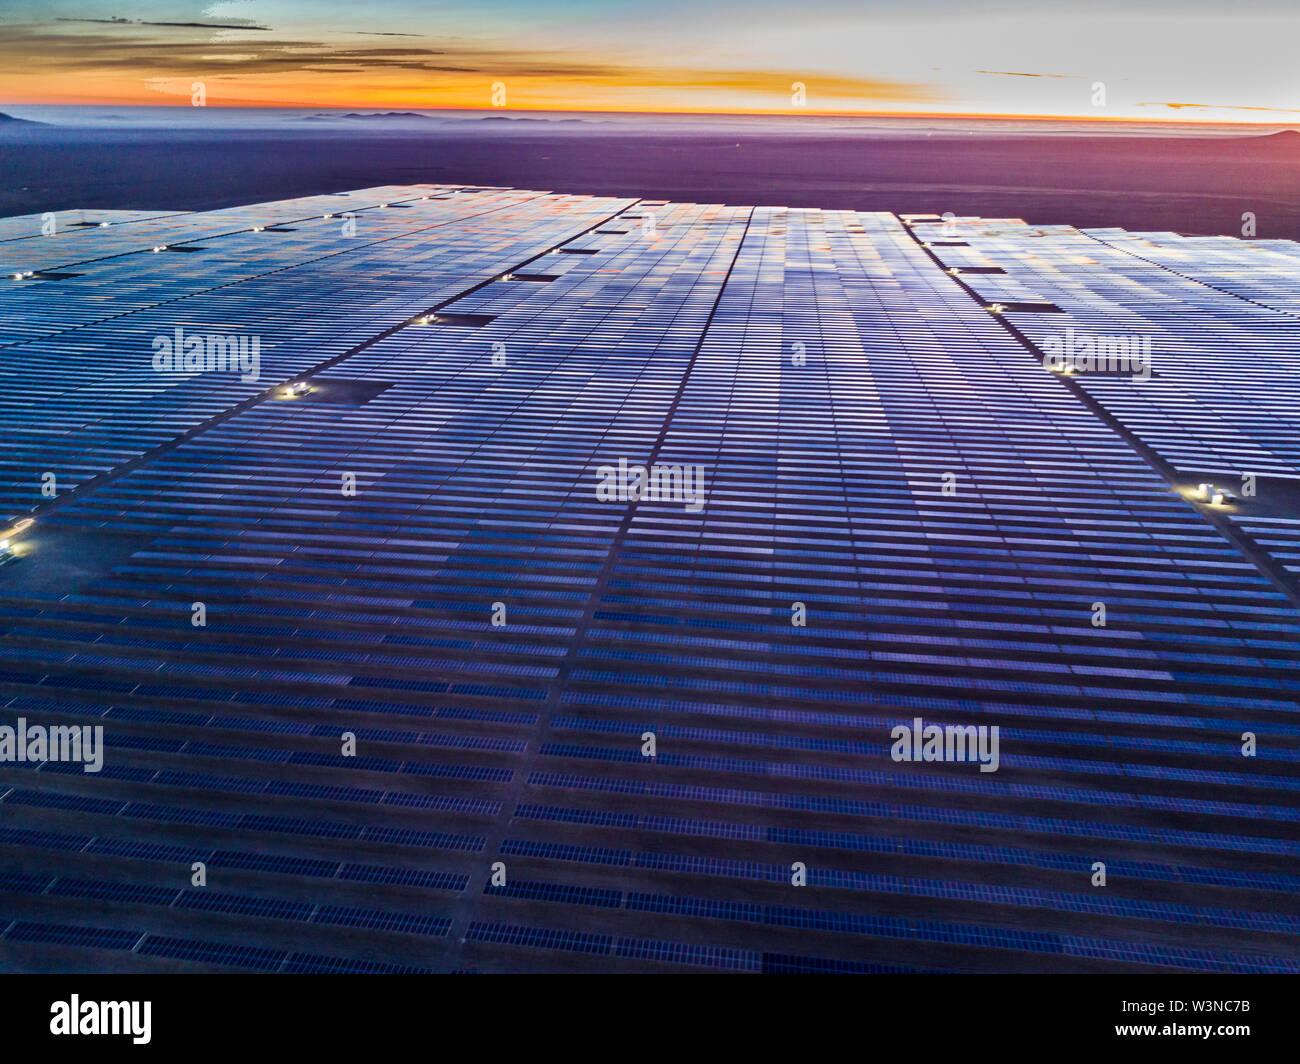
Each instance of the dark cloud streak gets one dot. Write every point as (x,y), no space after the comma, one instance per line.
(1018,74)
(178,25)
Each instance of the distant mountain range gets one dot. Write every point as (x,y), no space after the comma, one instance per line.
(20,121)
(403,116)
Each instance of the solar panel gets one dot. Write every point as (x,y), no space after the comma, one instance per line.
(903,512)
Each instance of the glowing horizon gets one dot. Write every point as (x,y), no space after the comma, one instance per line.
(1156,61)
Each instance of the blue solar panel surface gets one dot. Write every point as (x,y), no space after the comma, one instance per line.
(407,729)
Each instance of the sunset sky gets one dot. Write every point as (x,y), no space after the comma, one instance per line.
(1158,59)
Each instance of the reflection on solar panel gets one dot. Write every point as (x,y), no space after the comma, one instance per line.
(491,624)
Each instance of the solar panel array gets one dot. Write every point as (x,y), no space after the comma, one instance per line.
(450,707)
(1218,316)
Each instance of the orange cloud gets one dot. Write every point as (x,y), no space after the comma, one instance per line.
(127,63)
(1218,107)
